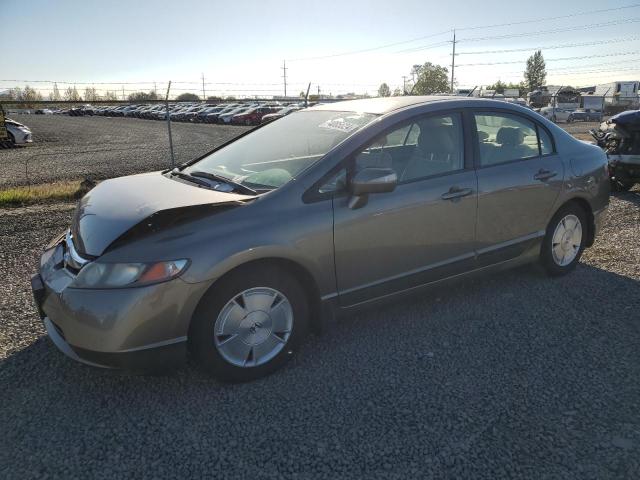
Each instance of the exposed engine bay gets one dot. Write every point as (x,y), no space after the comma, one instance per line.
(619,137)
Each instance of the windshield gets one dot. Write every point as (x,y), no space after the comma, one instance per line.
(272,155)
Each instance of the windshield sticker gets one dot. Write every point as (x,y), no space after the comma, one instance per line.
(339,124)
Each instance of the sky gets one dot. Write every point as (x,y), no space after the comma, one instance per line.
(240,46)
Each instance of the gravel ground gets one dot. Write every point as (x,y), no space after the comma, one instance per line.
(580,130)
(67,148)
(512,376)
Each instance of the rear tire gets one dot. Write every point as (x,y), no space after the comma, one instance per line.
(564,240)
(249,324)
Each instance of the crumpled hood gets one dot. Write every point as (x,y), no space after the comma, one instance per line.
(114,206)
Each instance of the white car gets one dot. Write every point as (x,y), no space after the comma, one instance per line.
(19,134)
(556,114)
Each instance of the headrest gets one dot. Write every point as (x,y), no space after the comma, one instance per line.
(438,139)
(509,136)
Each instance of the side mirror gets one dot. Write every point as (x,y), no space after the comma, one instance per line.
(371,180)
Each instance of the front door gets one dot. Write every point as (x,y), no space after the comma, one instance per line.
(424,229)
(519,179)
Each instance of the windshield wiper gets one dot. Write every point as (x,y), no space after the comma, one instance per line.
(189,178)
(220,178)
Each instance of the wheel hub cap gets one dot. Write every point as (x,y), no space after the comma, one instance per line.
(566,241)
(253,327)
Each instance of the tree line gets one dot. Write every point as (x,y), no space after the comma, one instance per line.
(426,79)
(91,94)
(430,79)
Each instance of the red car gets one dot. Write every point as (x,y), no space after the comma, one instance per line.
(253,116)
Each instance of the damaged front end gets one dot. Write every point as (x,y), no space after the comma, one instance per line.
(619,137)
(111,290)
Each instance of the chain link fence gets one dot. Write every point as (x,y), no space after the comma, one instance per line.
(75,142)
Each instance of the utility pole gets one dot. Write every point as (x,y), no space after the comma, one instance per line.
(453,59)
(122,92)
(404,84)
(318,92)
(155,89)
(204,96)
(284,76)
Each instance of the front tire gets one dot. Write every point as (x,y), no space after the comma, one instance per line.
(564,240)
(249,324)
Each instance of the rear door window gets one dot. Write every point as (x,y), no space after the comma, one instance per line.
(505,138)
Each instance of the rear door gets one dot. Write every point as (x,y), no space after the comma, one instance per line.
(424,229)
(519,179)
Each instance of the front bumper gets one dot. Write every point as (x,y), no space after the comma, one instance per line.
(133,328)
(624,167)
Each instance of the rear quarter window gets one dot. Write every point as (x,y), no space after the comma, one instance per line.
(546,144)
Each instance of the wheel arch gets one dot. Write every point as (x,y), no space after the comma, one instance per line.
(302,274)
(588,211)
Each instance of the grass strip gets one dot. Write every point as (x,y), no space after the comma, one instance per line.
(41,193)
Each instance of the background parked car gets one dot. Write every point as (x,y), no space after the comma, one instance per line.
(254,115)
(280,113)
(585,115)
(228,116)
(201,116)
(19,134)
(556,114)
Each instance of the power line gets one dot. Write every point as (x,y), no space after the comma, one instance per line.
(426,47)
(555,17)
(365,50)
(550,59)
(554,47)
(608,71)
(597,65)
(579,68)
(521,22)
(554,30)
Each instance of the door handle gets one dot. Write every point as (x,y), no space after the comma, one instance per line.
(456,192)
(543,175)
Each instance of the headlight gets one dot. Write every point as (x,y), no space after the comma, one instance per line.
(119,275)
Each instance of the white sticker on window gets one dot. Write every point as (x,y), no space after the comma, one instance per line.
(339,124)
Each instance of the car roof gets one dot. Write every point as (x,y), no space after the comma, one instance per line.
(382,105)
